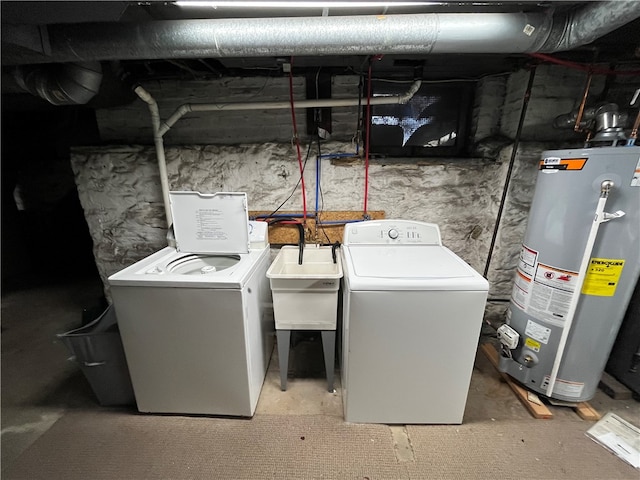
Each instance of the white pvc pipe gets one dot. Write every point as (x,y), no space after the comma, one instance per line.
(575,298)
(321,103)
(160,128)
(157,138)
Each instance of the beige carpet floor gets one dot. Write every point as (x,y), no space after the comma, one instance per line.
(120,444)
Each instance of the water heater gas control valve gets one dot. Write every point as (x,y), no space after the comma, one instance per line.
(508,336)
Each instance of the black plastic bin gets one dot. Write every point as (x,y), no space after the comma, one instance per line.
(97,348)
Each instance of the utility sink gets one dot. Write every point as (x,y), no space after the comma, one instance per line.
(305,297)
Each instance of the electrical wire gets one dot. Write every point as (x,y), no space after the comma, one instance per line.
(294,188)
(317,176)
(319,193)
(366,146)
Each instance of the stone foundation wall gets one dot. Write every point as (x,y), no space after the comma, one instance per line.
(119,185)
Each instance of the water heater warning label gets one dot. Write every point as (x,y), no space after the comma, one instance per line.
(564,387)
(555,163)
(635,180)
(538,332)
(603,275)
(543,291)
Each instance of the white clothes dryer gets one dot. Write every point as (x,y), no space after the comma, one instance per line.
(412,312)
(195,320)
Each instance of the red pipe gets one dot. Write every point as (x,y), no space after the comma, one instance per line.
(295,134)
(580,66)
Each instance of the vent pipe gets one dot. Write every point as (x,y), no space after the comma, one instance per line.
(61,84)
(431,33)
(584,25)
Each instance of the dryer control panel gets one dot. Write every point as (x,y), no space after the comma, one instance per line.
(394,232)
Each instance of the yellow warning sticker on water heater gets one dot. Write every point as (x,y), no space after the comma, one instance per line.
(602,277)
(532,344)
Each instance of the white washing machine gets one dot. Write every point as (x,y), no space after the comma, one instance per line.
(411,323)
(195,320)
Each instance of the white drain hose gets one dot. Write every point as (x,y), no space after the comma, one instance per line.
(599,217)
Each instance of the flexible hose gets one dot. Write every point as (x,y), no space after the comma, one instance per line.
(333,251)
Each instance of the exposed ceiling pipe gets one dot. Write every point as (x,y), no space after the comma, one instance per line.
(431,33)
(160,128)
(328,102)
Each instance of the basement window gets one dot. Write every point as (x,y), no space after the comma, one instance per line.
(434,123)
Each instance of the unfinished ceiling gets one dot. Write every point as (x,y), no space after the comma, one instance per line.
(429,40)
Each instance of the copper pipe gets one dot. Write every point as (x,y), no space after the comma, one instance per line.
(589,133)
(577,128)
(636,125)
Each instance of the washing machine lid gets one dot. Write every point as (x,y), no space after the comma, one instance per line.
(413,267)
(211,223)
(168,268)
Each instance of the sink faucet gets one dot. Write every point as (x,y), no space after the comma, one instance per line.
(300,226)
(300,242)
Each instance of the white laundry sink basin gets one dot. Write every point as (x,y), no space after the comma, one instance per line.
(305,297)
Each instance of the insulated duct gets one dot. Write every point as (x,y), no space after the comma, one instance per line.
(61,84)
(431,33)
(587,24)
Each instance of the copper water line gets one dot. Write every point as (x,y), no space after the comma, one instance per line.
(636,125)
(577,128)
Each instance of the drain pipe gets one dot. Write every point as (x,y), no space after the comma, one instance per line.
(182,110)
(157,139)
(160,128)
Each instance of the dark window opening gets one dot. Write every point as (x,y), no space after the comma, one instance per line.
(434,123)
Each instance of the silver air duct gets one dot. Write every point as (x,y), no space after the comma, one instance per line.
(433,33)
(61,84)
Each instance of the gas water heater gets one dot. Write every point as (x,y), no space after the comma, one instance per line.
(578,266)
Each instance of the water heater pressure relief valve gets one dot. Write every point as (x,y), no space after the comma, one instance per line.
(508,336)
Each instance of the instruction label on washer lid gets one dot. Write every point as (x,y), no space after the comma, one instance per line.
(603,276)
(208,224)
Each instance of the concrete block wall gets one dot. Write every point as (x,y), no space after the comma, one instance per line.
(252,151)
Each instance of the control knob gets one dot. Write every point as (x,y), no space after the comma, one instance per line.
(393,234)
